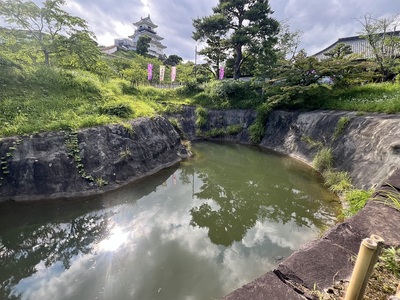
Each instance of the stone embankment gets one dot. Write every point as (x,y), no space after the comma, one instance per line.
(90,161)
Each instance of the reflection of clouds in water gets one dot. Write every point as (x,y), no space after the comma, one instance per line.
(139,260)
(285,236)
(55,282)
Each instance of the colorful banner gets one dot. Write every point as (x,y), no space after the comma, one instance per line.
(162,73)
(173,74)
(221,73)
(149,71)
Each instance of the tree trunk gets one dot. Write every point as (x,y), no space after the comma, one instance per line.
(46,57)
(238,62)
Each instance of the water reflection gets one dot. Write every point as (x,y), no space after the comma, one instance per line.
(237,197)
(196,232)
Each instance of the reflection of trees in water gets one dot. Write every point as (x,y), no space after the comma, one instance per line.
(57,231)
(20,252)
(241,196)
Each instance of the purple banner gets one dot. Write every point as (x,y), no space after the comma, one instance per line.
(149,71)
(221,73)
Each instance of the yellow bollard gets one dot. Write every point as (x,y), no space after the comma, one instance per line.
(364,258)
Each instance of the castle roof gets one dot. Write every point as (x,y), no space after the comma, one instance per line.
(145,21)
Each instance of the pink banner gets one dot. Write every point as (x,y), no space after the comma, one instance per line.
(162,72)
(221,73)
(173,74)
(149,71)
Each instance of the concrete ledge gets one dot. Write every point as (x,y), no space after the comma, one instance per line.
(322,263)
(267,286)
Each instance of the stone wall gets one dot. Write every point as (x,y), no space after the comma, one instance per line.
(368,148)
(54,164)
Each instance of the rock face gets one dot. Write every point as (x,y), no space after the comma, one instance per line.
(217,119)
(54,164)
(368,148)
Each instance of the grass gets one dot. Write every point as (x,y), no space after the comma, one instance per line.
(340,127)
(373,97)
(50,99)
(323,159)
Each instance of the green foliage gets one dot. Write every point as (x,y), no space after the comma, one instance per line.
(192,87)
(234,129)
(42,26)
(390,197)
(125,154)
(225,94)
(235,25)
(224,131)
(201,117)
(312,143)
(338,182)
(390,258)
(215,132)
(340,126)
(339,52)
(143,44)
(122,110)
(323,160)
(355,200)
(382,97)
(384,43)
(257,129)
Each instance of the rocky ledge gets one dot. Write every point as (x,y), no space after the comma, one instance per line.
(90,161)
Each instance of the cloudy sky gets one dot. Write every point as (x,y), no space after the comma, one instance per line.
(321,21)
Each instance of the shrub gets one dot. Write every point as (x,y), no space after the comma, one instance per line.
(312,143)
(390,257)
(234,129)
(356,200)
(337,181)
(323,159)
(122,110)
(340,126)
(231,94)
(216,132)
(201,117)
(391,198)
(257,129)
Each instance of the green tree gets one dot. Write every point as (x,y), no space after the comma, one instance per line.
(45,27)
(339,51)
(384,42)
(80,51)
(143,44)
(212,30)
(239,25)
(173,60)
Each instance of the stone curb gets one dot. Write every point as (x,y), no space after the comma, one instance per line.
(321,263)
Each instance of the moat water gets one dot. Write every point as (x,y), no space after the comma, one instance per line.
(195,231)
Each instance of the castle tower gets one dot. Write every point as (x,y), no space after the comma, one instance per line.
(146,27)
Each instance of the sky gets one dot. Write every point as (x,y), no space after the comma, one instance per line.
(322,21)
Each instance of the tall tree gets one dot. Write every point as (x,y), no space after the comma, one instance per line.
(143,45)
(46,26)
(212,30)
(243,25)
(173,60)
(384,41)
